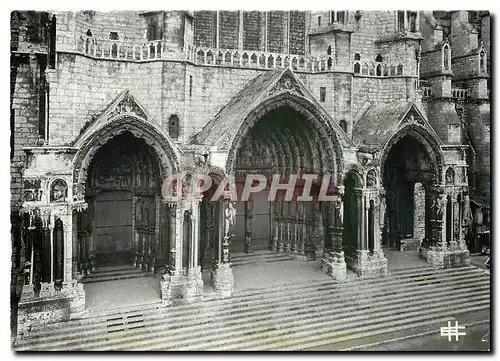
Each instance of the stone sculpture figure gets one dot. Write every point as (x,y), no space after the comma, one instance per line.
(382,211)
(230,220)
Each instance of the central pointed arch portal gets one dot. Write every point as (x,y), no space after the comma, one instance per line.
(118,172)
(286,135)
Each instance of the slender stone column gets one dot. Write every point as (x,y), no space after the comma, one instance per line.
(68,248)
(272,226)
(194,286)
(435,250)
(248,226)
(51,230)
(337,267)
(466,220)
(240,30)
(223,278)
(156,249)
(173,282)
(452,243)
(135,240)
(74,240)
(92,257)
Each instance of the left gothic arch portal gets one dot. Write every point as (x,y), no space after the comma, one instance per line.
(167,154)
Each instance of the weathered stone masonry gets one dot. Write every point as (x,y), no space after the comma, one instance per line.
(351,94)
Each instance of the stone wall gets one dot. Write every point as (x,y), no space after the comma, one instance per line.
(228,29)
(213,88)
(275,33)
(465,66)
(84,86)
(297,32)
(419,212)
(253,35)
(25,108)
(204,28)
(376,90)
(442,114)
(478,129)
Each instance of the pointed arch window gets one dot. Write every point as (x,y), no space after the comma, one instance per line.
(173,127)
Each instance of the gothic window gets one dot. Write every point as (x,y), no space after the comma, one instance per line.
(400,69)
(412,21)
(89,33)
(407,21)
(190,86)
(343,125)
(338,17)
(322,94)
(446,57)
(482,62)
(319,20)
(401,21)
(155,27)
(52,43)
(43,102)
(357,56)
(378,59)
(379,70)
(341,16)
(357,68)
(329,50)
(173,127)
(364,69)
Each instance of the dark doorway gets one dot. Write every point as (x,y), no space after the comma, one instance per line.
(407,163)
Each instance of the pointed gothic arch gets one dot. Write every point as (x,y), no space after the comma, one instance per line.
(328,137)
(166,151)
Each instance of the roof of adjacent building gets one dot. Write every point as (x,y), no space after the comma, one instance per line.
(378,124)
(237,108)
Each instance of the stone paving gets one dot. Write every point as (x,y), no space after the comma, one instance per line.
(408,259)
(145,290)
(127,292)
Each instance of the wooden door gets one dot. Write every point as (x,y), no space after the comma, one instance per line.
(113,227)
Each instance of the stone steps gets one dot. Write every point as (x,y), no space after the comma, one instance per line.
(265,293)
(114,273)
(247,296)
(277,316)
(239,259)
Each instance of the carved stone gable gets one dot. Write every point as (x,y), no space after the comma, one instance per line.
(286,84)
(413,118)
(127,105)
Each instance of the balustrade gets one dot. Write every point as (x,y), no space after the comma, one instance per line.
(459,93)
(377,69)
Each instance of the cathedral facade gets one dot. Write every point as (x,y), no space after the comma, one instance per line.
(392,106)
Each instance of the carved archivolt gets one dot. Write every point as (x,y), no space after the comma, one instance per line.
(167,157)
(325,138)
(428,141)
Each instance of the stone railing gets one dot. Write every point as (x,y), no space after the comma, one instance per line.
(124,50)
(259,59)
(378,69)
(459,93)
(425,88)
(426,91)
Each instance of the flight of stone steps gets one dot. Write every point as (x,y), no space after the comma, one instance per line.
(295,316)
(260,256)
(112,273)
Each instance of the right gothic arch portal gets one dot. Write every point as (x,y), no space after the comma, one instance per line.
(409,172)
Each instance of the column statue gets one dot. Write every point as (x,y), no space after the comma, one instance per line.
(229,220)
